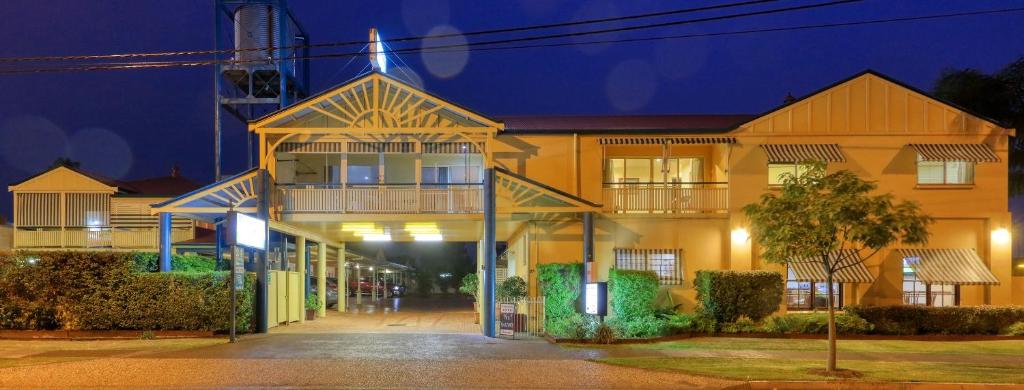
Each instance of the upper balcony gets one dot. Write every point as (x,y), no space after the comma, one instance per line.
(635,184)
(382,198)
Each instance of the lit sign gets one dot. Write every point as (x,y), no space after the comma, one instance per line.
(246,231)
(596,299)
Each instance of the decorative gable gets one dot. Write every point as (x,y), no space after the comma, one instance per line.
(62,179)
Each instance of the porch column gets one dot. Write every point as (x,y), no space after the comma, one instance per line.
(589,274)
(342,274)
(165,242)
(490,255)
(218,250)
(300,266)
(321,279)
(260,311)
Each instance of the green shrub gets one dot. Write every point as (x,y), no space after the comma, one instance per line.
(511,289)
(1017,329)
(603,334)
(470,286)
(679,323)
(312,302)
(639,328)
(99,290)
(150,262)
(727,295)
(910,320)
(632,293)
(742,325)
(560,286)
(815,323)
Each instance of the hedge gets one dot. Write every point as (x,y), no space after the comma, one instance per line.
(727,295)
(100,290)
(911,320)
(632,293)
(560,286)
(150,262)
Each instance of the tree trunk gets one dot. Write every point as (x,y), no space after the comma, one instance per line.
(831,327)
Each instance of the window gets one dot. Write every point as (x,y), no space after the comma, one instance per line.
(811,295)
(916,292)
(944,172)
(777,170)
(666,263)
(652,170)
(363,168)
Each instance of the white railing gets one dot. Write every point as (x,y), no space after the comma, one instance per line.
(666,198)
(382,199)
(93,237)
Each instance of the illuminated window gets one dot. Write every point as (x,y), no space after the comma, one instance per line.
(777,171)
(916,292)
(802,295)
(944,172)
(666,263)
(652,170)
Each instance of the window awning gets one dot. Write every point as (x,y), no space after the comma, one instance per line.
(948,266)
(811,270)
(794,153)
(666,140)
(955,152)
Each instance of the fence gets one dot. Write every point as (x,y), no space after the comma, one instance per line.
(529,317)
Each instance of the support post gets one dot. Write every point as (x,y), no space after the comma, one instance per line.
(588,255)
(260,311)
(300,265)
(342,274)
(489,252)
(165,242)
(218,250)
(321,279)
(359,285)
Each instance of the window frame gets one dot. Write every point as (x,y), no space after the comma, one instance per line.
(812,293)
(774,181)
(654,172)
(928,292)
(630,258)
(970,174)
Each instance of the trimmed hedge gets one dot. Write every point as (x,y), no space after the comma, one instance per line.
(632,293)
(150,262)
(815,323)
(727,295)
(560,286)
(100,290)
(913,320)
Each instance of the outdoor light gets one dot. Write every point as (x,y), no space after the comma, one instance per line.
(740,235)
(1001,236)
(371,268)
(424,231)
(377,237)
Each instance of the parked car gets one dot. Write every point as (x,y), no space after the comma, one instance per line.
(332,290)
(365,285)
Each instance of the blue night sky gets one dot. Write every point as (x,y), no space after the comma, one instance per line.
(133,124)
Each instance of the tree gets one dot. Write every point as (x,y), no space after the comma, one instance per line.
(999,96)
(832,220)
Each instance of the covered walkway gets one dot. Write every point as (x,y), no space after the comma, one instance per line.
(444,315)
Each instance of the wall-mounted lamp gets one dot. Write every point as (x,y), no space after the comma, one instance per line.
(1001,236)
(740,235)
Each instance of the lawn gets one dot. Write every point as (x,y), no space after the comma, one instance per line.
(793,359)
(775,369)
(16,353)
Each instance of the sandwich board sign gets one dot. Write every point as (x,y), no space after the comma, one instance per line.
(507,320)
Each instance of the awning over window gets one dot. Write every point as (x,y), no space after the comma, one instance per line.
(948,266)
(794,153)
(955,152)
(666,140)
(853,271)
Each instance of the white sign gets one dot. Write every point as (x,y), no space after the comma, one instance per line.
(590,306)
(595,299)
(250,232)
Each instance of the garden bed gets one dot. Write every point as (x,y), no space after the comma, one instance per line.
(796,336)
(100,334)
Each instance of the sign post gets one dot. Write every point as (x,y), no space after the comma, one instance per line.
(507,320)
(242,231)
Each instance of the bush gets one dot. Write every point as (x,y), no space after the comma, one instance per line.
(560,286)
(511,290)
(815,323)
(150,262)
(470,286)
(727,295)
(679,323)
(639,327)
(742,325)
(1017,329)
(603,334)
(632,293)
(99,290)
(911,320)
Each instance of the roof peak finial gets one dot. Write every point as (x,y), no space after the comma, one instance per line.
(378,60)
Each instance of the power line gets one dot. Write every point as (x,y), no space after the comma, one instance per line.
(167,64)
(401,39)
(458,48)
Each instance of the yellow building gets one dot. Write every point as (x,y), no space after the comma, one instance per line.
(378,159)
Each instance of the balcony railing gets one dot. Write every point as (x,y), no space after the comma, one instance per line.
(666,198)
(92,238)
(381,198)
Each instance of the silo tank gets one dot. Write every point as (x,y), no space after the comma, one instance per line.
(257,33)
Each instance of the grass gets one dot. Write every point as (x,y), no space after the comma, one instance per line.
(790,369)
(994,347)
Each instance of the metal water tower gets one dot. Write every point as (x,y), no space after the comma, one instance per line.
(268,68)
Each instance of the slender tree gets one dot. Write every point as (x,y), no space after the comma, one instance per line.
(834,221)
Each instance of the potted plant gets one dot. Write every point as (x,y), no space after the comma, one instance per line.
(471,286)
(513,289)
(312,306)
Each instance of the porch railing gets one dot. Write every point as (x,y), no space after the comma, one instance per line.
(382,198)
(93,237)
(666,198)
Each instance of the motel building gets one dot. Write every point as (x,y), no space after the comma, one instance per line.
(377,159)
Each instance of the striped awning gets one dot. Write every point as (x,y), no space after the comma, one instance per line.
(955,152)
(666,140)
(948,266)
(794,153)
(853,271)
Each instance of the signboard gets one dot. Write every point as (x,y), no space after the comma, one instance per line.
(238,266)
(596,299)
(507,319)
(246,231)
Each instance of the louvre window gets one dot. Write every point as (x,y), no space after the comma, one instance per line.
(666,263)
